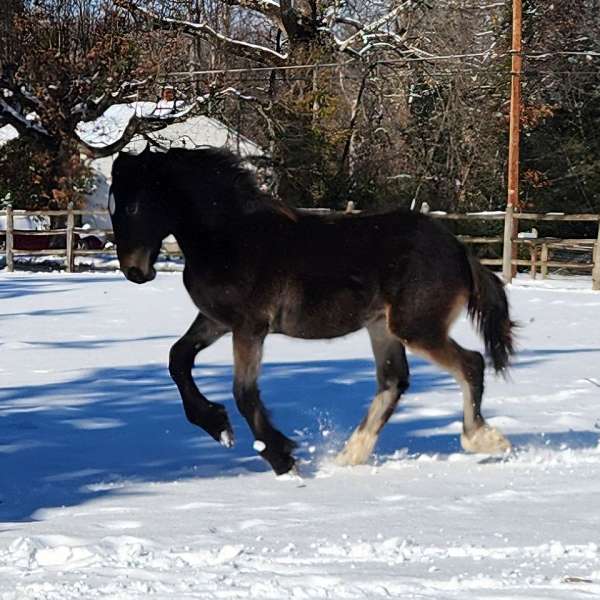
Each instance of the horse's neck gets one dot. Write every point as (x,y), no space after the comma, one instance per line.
(207,246)
(196,242)
(203,244)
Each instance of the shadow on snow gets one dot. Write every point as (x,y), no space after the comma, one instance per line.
(18,287)
(65,443)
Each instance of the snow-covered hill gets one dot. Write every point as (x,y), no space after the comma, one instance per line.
(107,492)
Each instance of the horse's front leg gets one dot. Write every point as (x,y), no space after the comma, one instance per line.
(270,443)
(210,416)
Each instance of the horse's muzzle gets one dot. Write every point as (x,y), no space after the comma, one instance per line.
(136,274)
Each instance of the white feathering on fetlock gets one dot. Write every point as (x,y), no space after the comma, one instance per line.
(357,450)
(485,440)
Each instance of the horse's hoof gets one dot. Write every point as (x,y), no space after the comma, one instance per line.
(226,438)
(216,423)
(357,450)
(292,475)
(349,459)
(282,464)
(485,440)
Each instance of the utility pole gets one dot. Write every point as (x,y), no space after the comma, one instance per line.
(513,144)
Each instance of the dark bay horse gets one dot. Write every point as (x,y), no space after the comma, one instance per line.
(254,266)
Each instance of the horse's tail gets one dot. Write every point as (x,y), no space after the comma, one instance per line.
(488,308)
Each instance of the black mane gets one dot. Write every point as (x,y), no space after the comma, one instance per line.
(218,167)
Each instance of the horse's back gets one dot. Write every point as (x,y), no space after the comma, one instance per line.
(343,271)
(383,244)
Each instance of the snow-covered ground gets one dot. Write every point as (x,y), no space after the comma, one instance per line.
(107,492)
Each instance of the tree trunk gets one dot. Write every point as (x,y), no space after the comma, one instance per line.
(9,44)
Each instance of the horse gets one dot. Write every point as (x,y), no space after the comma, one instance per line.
(254,265)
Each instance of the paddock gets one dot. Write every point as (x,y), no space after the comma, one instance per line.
(106,491)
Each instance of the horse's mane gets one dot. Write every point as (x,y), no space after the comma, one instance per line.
(230,167)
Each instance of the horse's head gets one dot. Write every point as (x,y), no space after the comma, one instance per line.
(139,213)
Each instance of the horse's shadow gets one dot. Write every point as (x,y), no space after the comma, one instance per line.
(32,285)
(66,443)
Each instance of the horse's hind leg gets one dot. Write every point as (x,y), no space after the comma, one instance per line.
(392,380)
(467,367)
(476,436)
(210,416)
(270,443)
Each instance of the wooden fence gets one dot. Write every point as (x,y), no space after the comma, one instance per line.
(539,249)
(70,232)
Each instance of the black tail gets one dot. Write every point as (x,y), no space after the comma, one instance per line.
(488,308)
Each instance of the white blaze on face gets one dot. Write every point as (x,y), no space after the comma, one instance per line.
(111,204)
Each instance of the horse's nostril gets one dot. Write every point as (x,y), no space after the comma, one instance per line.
(134,274)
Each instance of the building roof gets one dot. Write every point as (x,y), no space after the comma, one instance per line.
(193,133)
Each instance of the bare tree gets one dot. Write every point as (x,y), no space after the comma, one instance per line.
(73,60)
(376,101)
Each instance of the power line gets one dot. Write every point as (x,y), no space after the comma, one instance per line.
(385,62)
(409,59)
(549,53)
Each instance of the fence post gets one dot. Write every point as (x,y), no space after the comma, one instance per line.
(70,227)
(533,250)
(545,255)
(10,244)
(507,252)
(596,259)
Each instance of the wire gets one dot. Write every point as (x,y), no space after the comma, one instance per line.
(408,59)
(386,62)
(586,53)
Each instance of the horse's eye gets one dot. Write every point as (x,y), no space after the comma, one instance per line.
(132,209)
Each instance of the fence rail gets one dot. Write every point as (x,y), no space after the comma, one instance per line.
(540,249)
(70,233)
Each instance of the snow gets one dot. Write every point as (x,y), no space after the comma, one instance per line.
(194,132)
(192,27)
(8,133)
(110,126)
(23,222)
(107,492)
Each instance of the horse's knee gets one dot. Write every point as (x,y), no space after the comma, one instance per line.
(174,361)
(180,362)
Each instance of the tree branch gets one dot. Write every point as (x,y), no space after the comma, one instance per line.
(375,25)
(348,21)
(92,108)
(22,124)
(145,119)
(268,8)
(203,31)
